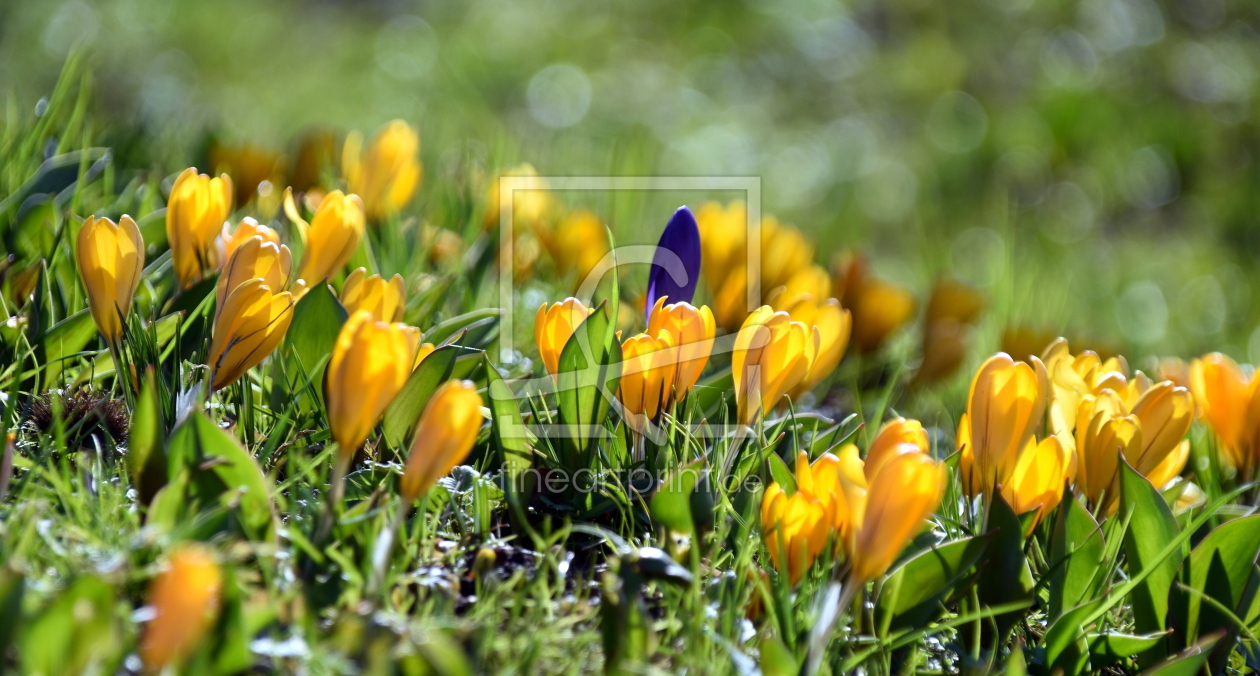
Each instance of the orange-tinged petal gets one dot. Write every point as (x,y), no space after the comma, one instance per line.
(891,437)
(692,331)
(899,500)
(443,438)
(185,598)
(1225,396)
(553,326)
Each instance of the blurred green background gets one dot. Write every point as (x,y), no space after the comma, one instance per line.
(1091,165)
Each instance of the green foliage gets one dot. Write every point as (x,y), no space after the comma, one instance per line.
(491,571)
(401,417)
(1076,555)
(1151,529)
(221,474)
(912,594)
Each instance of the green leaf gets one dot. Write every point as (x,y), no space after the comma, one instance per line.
(1005,568)
(1190,662)
(58,173)
(478,323)
(703,502)
(317,320)
(911,596)
(709,392)
(78,629)
(1076,555)
(146,454)
(780,473)
(12,588)
(198,443)
(1151,527)
(510,438)
(1066,644)
(1110,647)
(1220,567)
(400,418)
(671,505)
(590,368)
(66,338)
(167,509)
(776,659)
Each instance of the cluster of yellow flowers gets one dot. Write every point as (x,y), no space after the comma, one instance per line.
(865,510)
(873,309)
(256,292)
(1098,414)
(774,356)
(385,174)
(576,240)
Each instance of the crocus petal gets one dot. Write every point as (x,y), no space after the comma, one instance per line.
(676,264)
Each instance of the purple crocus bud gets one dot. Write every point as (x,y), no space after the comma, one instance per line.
(676,263)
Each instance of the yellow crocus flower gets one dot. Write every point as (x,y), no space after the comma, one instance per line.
(1104,430)
(952,308)
(331,238)
(196,211)
(533,207)
(444,436)
(647,377)
(692,330)
(444,246)
(553,326)
(838,480)
(813,281)
(387,174)
(1149,435)
(834,324)
(255,258)
(577,244)
(1005,408)
(1165,412)
(772,355)
(879,308)
(1230,404)
(315,151)
(384,300)
(185,598)
(1171,466)
(893,438)
(251,323)
(795,529)
(869,509)
(785,251)
(1039,477)
(248,164)
(899,498)
(730,298)
(110,258)
(1074,377)
(370,363)
(247,229)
